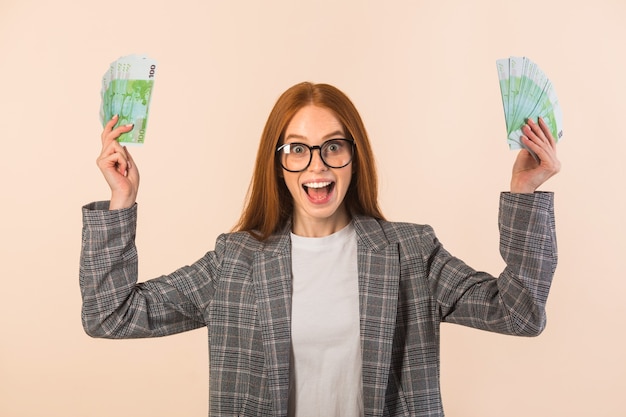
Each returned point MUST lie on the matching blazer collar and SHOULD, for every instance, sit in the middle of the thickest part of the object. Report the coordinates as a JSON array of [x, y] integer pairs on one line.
[[369, 233]]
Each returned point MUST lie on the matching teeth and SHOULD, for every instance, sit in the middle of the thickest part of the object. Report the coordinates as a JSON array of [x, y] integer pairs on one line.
[[317, 184]]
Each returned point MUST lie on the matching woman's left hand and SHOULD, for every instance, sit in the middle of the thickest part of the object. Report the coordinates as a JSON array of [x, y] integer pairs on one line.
[[528, 173]]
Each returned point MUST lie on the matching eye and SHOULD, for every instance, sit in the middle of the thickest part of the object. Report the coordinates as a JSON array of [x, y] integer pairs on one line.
[[334, 146], [298, 148]]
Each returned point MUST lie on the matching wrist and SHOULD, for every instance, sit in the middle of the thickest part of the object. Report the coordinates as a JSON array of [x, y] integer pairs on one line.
[[522, 189], [118, 203]]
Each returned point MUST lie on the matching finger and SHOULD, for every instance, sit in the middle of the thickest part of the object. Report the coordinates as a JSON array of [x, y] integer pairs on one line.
[[548, 141], [109, 133], [111, 123], [113, 163], [129, 159], [113, 155], [108, 127], [133, 172], [534, 129], [529, 149], [547, 132], [111, 147], [548, 160], [117, 132]]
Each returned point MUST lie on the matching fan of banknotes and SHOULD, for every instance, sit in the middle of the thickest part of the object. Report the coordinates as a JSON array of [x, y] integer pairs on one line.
[[126, 91], [527, 93]]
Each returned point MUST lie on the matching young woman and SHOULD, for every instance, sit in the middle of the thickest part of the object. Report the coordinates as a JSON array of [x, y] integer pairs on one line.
[[315, 305]]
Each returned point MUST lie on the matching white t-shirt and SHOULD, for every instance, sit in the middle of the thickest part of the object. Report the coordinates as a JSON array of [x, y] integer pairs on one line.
[[326, 345]]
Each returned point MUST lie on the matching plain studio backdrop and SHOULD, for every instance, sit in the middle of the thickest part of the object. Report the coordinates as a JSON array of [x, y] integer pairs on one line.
[[423, 75]]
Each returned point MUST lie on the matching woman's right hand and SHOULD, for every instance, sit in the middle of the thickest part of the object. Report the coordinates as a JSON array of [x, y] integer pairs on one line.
[[118, 167]]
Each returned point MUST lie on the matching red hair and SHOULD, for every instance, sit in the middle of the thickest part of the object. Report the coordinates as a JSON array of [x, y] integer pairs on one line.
[[269, 204]]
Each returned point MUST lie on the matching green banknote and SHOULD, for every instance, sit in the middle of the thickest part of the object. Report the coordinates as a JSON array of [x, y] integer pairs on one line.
[[527, 93], [126, 91]]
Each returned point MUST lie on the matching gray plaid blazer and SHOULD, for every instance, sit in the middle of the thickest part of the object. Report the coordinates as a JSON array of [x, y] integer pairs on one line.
[[408, 285]]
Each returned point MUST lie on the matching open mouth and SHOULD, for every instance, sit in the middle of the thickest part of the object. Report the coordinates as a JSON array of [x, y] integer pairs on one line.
[[319, 191]]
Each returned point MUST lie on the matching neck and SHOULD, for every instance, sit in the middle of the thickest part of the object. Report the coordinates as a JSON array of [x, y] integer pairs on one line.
[[319, 227]]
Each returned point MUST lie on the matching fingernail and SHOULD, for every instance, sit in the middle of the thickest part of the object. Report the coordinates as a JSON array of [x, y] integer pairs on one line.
[[115, 116]]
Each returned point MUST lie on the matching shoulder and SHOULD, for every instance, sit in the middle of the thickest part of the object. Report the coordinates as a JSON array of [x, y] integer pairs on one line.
[[377, 233], [238, 244]]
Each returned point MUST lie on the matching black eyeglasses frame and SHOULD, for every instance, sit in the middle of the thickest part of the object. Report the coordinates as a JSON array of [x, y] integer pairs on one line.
[[318, 147]]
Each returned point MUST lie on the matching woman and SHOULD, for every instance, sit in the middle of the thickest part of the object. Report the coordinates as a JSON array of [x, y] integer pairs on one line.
[[316, 305]]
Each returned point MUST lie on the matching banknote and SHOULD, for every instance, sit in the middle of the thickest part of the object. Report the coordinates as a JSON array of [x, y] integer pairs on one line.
[[127, 91], [527, 93]]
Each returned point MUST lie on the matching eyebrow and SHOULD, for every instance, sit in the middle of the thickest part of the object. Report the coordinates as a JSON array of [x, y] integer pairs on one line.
[[325, 137]]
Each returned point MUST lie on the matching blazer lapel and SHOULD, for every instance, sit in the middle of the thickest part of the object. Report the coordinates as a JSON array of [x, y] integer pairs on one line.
[[379, 274], [272, 282]]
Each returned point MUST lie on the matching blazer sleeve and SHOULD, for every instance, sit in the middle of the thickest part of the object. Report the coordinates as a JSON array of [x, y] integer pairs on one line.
[[514, 303], [114, 304]]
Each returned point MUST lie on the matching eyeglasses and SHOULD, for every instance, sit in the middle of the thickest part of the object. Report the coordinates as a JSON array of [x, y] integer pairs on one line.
[[335, 153]]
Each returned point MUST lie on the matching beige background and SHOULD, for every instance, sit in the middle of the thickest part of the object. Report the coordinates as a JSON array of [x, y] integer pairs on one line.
[[423, 75]]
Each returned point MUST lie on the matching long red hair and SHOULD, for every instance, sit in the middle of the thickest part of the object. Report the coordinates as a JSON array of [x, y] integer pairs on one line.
[[269, 204]]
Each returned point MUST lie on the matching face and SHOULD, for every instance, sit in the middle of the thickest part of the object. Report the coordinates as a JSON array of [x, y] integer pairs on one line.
[[318, 191]]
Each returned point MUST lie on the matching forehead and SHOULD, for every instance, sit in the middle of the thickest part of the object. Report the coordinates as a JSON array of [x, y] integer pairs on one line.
[[313, 122]]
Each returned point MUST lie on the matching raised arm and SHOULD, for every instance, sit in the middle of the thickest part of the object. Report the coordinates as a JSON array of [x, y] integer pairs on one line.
[[115, 305]]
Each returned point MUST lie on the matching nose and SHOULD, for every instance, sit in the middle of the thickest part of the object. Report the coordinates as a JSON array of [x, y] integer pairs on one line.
[[317, 164]]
